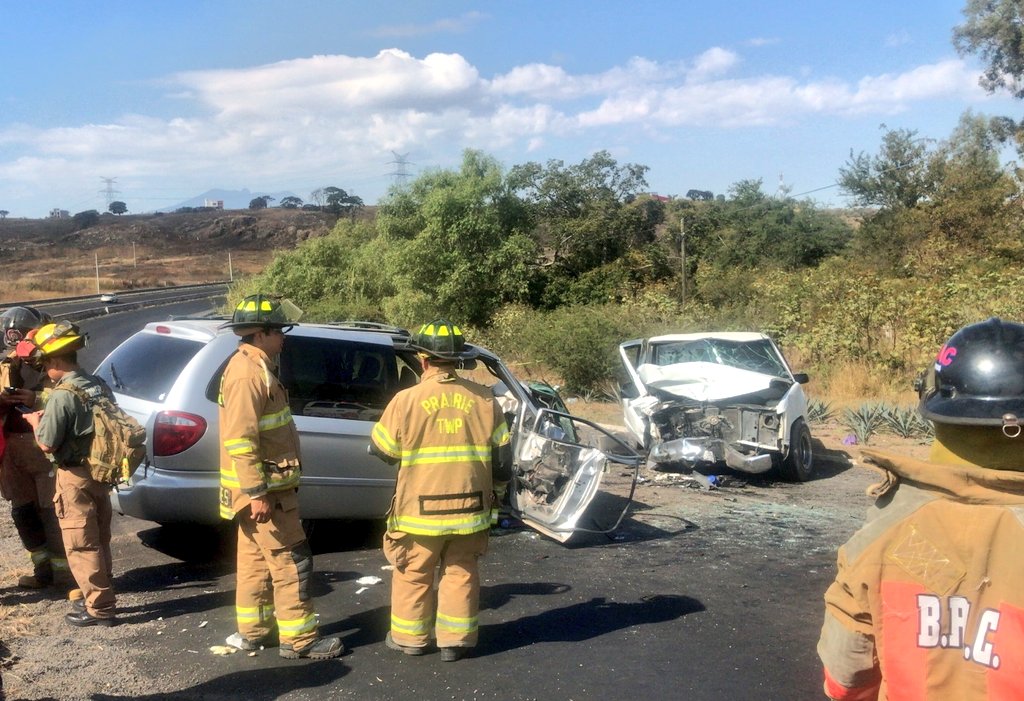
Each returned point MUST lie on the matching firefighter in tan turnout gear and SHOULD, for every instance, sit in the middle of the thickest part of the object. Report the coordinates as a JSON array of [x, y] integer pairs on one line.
[[64, 430], [259, 481], [28, 479], [450, 438], [928, 602]]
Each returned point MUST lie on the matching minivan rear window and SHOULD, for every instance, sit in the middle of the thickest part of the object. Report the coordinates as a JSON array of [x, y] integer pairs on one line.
[[147, 365]]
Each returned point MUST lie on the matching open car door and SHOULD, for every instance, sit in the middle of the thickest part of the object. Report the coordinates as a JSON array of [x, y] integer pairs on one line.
[[559, 458], [558, 469], [633, 393]]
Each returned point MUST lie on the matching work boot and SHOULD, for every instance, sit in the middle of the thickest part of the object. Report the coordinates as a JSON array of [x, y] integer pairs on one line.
[[82, 619], [42, 572], [453, 654], [34, 581], [240, 642], [319, 649], [404, 649], [77, 599]]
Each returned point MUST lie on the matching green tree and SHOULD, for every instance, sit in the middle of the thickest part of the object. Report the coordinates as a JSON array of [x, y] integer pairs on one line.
[[85, 219], [290, 202], [118, 207], [994, 29], [260, 202], [580, 217], [338, 201], [3, 213], [971, 187], [461, 240], [896, 177]]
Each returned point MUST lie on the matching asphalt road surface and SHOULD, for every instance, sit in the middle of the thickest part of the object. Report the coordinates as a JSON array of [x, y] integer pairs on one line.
[[703, 596]]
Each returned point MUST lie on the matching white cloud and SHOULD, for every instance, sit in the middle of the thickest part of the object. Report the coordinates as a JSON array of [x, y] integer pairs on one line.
[[714, 61], [333, 115]]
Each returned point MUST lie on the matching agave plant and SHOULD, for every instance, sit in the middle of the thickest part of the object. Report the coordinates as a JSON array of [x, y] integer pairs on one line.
[[819, 412], [864, 421], [906, 422]]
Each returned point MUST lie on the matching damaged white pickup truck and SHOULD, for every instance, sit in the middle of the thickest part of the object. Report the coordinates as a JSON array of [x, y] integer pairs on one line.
[[696, 401]]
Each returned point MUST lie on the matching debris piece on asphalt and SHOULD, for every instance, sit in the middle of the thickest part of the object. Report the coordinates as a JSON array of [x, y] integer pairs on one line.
[[203, 624], [369, 580], [222, 650], [360, 590], [253, 653], [387, 567]]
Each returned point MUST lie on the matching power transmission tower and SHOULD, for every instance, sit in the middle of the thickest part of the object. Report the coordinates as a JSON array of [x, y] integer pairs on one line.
[[400, 174], [782, 192], [109, 192]]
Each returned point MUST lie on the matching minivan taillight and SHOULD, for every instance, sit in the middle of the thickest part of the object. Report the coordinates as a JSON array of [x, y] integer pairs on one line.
[[176, 431]]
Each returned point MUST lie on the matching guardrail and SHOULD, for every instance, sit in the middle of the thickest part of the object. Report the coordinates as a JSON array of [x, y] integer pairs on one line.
[[78, 298], [199, 291]]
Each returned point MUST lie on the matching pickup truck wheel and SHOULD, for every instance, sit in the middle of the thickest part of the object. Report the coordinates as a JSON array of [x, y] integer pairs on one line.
[[798, 466]]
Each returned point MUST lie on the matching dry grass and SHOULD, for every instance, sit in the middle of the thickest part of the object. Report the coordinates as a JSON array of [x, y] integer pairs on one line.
[[15, 619], [37, 276], [852, 383]]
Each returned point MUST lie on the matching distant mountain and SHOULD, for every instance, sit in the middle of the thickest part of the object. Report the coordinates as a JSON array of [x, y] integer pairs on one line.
[[233, 199]]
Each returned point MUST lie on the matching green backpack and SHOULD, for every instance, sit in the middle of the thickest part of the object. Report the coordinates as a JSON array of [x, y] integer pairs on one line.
[[118, 442]]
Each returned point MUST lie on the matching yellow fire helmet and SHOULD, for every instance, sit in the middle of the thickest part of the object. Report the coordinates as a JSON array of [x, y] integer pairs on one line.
[[261, 311], [60, 338], [443, 340]]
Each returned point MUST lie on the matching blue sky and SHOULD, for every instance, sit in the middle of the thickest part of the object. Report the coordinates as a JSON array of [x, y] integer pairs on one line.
[[176, 98]]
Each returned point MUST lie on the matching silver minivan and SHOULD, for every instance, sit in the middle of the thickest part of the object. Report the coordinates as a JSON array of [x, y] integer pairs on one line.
[[339, 378]]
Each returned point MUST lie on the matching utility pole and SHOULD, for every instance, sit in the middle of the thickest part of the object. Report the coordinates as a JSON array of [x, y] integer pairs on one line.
[[135, 261], [231, 271], [97, 257], [682, 261]]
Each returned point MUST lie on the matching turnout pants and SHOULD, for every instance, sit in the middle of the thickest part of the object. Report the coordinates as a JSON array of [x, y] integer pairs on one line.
[[418, 560], [275, 565], [83, 511], [28, 481]]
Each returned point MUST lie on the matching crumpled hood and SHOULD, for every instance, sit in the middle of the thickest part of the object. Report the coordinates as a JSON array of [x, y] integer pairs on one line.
[[703, 382]]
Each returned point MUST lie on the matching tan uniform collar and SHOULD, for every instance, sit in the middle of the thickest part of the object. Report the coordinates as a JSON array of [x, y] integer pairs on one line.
[[251, 351], [966, 483]]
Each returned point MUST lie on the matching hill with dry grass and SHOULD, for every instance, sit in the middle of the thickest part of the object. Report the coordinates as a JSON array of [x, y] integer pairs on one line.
[[42, 258]]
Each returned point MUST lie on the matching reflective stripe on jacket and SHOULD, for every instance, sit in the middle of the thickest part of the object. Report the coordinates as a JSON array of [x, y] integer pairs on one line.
[[443, 431], [928, 602], [259, 442]]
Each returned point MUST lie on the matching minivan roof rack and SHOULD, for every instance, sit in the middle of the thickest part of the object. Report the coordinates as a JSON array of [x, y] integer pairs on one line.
[[370, 326]]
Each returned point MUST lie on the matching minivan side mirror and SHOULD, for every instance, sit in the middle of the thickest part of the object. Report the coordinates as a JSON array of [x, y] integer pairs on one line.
[[801, 377]]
